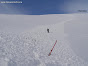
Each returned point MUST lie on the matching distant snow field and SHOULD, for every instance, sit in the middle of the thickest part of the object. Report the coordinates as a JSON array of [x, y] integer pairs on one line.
[[24, 40]]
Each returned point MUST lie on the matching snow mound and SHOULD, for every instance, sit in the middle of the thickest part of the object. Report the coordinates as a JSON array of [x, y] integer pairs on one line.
[[32, 48]]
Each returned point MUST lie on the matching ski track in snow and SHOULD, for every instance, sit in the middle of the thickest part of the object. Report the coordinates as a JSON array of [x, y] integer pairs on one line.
[[32, 48]]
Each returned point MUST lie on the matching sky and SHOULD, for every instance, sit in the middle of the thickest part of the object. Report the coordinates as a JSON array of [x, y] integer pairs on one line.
[[41, 7]]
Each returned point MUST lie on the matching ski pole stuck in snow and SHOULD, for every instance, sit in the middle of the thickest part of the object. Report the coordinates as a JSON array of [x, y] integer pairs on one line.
[[52, 49]]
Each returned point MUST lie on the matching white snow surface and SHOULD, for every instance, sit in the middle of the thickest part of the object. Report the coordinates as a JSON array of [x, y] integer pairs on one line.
[[31, 48]]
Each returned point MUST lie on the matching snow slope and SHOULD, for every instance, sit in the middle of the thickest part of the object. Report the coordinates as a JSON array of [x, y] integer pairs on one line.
[[31, 48], [20, 23], [77, 31]]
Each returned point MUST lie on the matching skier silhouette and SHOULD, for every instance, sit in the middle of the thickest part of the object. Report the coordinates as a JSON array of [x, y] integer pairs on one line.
[[47, 30]]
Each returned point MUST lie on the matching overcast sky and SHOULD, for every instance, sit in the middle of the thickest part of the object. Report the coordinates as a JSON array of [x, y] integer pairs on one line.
[[37, 7]]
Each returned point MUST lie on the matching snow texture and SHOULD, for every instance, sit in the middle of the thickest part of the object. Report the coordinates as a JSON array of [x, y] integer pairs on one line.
[[31, 48]]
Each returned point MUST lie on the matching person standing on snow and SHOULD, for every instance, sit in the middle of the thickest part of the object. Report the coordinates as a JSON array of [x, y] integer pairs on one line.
[[47, 30]]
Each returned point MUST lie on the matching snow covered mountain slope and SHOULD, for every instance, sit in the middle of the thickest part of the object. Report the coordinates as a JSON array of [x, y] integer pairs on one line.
[[20, 23], [77, 31], [31, 48]]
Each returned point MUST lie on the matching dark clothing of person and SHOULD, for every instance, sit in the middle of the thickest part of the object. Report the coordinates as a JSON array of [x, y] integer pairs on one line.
[[48, 30]]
